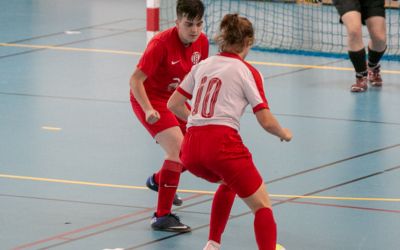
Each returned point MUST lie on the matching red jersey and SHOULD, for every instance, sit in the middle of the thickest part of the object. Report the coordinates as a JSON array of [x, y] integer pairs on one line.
[[166, 61]]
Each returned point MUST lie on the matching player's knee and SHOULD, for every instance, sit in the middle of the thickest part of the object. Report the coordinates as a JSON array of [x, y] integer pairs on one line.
[[379, 40], [355, 34], [173, 154], [259, 205], [258, 200]]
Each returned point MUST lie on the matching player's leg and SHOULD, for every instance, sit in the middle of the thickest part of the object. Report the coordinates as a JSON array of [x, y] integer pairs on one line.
[[377, 30], [352, 22], [170, 140], [152, 183], [357, 54], [376, 48], [167, 120], [220, 211], [264, 222], [154, 180], [238, 171]]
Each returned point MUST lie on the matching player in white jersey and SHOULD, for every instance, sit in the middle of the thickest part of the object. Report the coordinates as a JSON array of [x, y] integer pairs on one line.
[[222, 86]]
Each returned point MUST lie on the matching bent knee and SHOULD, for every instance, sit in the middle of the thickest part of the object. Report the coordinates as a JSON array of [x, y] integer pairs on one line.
[[378, 41], [355, 33], [259, 205], [258, 200]]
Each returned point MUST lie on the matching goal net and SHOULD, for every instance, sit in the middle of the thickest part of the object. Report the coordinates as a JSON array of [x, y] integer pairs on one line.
[[291, 26]]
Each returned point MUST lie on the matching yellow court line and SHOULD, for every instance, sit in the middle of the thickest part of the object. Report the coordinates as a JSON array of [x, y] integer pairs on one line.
[[191, 191], [51, 128], [69, 182], [122, 52]]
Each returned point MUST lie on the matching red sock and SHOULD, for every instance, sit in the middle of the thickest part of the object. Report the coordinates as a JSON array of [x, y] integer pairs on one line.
[[169, 180], [157, 175], [265, 229], [220, 211]]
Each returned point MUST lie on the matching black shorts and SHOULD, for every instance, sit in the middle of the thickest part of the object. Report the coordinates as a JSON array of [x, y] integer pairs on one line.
[[367, 8]]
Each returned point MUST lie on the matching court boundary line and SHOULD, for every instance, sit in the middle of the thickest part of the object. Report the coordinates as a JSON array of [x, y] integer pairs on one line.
[[274, 204], [332, 163], [70, 201], [160, 239], [64, 97], [75, 29], [98, 225], [335, 119], [190, 191], [249, 112], [62, 47], [344, 206]]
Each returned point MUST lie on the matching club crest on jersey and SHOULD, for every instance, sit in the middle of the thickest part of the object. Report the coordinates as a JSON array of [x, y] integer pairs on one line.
[[196, 57]]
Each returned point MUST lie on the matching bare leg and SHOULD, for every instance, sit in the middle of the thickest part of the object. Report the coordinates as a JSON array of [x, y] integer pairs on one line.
[[170, 140], [377, 31], [264, 223], [352, 22]]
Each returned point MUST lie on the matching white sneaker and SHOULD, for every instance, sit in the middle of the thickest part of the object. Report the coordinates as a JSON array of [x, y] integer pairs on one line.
[[212, 245], [279, 247]]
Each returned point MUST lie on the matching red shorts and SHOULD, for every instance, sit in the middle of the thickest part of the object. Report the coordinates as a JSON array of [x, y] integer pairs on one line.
[[167, 118], [217, 153]]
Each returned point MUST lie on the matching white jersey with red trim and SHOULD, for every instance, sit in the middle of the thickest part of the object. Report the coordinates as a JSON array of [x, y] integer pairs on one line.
[[222, 86]]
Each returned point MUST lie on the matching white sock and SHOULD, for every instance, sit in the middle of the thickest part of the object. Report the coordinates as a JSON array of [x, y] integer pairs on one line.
[[212, 245]]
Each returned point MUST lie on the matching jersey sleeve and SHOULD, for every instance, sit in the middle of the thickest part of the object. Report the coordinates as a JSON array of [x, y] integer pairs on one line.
[[187, 85], [152, 57], [254, 90]]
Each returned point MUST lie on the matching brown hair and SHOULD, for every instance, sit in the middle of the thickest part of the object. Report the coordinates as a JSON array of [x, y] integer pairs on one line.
[[235, 33]]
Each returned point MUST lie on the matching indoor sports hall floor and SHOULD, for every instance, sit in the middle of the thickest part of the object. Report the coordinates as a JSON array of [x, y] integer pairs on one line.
[[74, 160]]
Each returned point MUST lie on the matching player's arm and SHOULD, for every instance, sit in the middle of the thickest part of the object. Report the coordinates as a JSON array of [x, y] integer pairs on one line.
[[136, 82], [176, 104], [268, 121]]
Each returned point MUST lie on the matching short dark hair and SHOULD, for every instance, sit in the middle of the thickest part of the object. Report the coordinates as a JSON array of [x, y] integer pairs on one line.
[[190, 8]]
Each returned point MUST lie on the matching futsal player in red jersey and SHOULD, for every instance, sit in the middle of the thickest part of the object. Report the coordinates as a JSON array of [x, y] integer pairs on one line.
[[221, 87], [169, 56]]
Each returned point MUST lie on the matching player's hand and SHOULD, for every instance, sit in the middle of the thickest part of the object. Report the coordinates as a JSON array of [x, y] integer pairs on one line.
[[287, 135], [152, 116]]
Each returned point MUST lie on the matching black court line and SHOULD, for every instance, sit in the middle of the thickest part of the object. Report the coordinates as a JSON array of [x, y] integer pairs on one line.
[[343, 206], [248, 111], [74, 42], [76, 29], [338, 119], [72, 201], [67, 97], [303, 69], [245, 213], [83, 236], [69, 43], [96, 203], [275, 204], [332, 163]]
